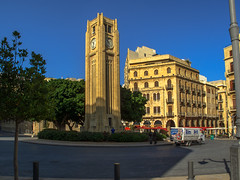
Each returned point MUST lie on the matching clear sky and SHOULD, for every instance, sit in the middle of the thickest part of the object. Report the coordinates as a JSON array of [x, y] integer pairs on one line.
[[188, 29]]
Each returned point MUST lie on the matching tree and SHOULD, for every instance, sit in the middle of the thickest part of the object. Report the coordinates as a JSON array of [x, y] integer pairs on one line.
[[69, 99], [132, 105], [23, 91]]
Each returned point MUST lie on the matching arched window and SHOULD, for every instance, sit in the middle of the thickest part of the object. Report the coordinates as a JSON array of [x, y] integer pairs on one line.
[[145, 73], [156, 72], [231, 67], [156, 84], [154, 97], [146, 84], [179, 71], [147, 96], [158, 96], [168, 70], [135, 73], [220, 97], [135, 86], [169, 83], [144, 95], [185, 73]]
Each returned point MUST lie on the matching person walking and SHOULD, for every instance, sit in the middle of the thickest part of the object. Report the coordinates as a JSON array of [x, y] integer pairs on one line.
[[150, 136], [155, 136]]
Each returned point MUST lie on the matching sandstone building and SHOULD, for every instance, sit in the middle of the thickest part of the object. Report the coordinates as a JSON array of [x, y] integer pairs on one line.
[[177, 96], [102, 88]]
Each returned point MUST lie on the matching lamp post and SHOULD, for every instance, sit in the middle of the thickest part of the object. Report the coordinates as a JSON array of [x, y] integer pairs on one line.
[[234, 33]]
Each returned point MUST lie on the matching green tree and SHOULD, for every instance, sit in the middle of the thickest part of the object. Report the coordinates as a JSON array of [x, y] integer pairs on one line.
[[68, 98], [132, 105], [23, 91]]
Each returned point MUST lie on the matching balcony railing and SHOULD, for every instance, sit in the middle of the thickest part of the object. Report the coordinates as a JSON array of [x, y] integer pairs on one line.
[[231, 90], [169, 87], [169, 101], [204, 93], [233, 108], [229, 72], [181, 89], [170, 114]]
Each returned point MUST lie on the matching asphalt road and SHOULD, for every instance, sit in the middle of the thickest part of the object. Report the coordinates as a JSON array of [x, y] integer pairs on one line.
[[98, 162]]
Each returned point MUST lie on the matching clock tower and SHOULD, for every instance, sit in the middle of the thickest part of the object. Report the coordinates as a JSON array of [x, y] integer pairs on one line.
[[102, 87]]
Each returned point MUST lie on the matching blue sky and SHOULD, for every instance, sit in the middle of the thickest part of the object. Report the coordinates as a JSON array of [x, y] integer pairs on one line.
[[188, 29]]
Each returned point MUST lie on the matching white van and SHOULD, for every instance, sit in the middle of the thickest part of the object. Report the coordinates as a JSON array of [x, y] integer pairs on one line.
[[187, 135]]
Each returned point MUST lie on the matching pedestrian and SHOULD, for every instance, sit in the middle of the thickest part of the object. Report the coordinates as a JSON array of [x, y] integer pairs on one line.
[[155, 136], [150, 136], [113, 130]]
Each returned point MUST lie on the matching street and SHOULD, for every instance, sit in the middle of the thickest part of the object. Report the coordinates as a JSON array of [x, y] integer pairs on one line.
[[98, 162]]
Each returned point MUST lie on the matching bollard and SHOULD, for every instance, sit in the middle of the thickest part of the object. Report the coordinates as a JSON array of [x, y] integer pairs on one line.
[[190, 170], [35, 170], [117, 171]]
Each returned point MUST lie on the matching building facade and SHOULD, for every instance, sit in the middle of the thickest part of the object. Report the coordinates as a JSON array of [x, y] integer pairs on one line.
[[102, 77], [230, 83], [176, 96]]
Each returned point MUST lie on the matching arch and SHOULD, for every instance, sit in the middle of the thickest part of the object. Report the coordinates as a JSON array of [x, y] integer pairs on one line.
[[146, 84], [169, 82], [157, 123], [168, 70], [135, 86], [155, 72], [158, 96], [170, 123], [135, 74], [156, 84], [147, 123], [145, 73]]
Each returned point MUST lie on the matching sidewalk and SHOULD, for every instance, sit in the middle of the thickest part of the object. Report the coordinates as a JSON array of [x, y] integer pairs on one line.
[[199, 177]]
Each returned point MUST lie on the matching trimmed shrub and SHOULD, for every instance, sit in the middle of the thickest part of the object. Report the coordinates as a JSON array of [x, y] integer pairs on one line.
[[54, 134]]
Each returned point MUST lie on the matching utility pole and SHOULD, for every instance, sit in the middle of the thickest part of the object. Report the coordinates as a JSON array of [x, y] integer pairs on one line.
[[234, 33]]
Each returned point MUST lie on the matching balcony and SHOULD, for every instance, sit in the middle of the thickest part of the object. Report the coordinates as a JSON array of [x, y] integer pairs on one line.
[[199, 104], [203, 93], [199, 93], [188, 90], [193, 91], [194, 103], [228, 73], [169, 101], [170, 114], [181, 89], [203, 104], [231, 90], [233, 108], [169, 87], [182, 102]]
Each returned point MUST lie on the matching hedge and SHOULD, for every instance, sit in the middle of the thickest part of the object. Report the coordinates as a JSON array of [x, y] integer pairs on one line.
[[53, 134]]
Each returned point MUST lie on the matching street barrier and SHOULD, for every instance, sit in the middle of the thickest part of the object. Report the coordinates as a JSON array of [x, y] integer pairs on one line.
[[35, 170], [190, 171], [117, 171]]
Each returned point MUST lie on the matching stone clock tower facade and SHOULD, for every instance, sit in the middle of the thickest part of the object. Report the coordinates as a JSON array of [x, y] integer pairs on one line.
[[102, 88]]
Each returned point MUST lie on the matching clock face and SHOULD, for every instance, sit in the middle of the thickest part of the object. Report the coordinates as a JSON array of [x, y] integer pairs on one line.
[[109, 43], [93, 43]]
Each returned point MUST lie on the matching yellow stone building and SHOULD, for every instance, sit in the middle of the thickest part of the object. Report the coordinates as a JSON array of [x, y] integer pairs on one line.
[[231, 96], [177, 95], [102, 77]]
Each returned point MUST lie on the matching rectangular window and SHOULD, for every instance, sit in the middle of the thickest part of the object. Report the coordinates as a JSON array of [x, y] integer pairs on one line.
[[148, 110], [109, 29], [158, 109], [231, 67], [105, 27], [155, 110], [93, 30], [230, 53]]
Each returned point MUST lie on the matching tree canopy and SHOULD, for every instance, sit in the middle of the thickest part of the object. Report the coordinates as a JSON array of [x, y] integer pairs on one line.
[[68, 98], [23, 91], [132, 105]]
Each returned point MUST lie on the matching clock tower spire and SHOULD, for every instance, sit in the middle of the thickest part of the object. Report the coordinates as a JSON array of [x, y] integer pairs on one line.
[[102, 87]]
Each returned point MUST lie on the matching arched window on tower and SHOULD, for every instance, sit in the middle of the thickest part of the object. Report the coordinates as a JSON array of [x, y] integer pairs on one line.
[[135, 74], [169, 83], [145, 73], [158, 96], [146, 84], [156, 72], [135, 86], [156, 84], [154, 97], [168, 70]]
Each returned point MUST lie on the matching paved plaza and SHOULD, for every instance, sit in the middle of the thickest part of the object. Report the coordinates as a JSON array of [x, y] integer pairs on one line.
[[138, 161]]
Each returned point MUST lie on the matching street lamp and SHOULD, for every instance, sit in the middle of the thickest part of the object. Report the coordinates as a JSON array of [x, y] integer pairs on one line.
[[234, 33]]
